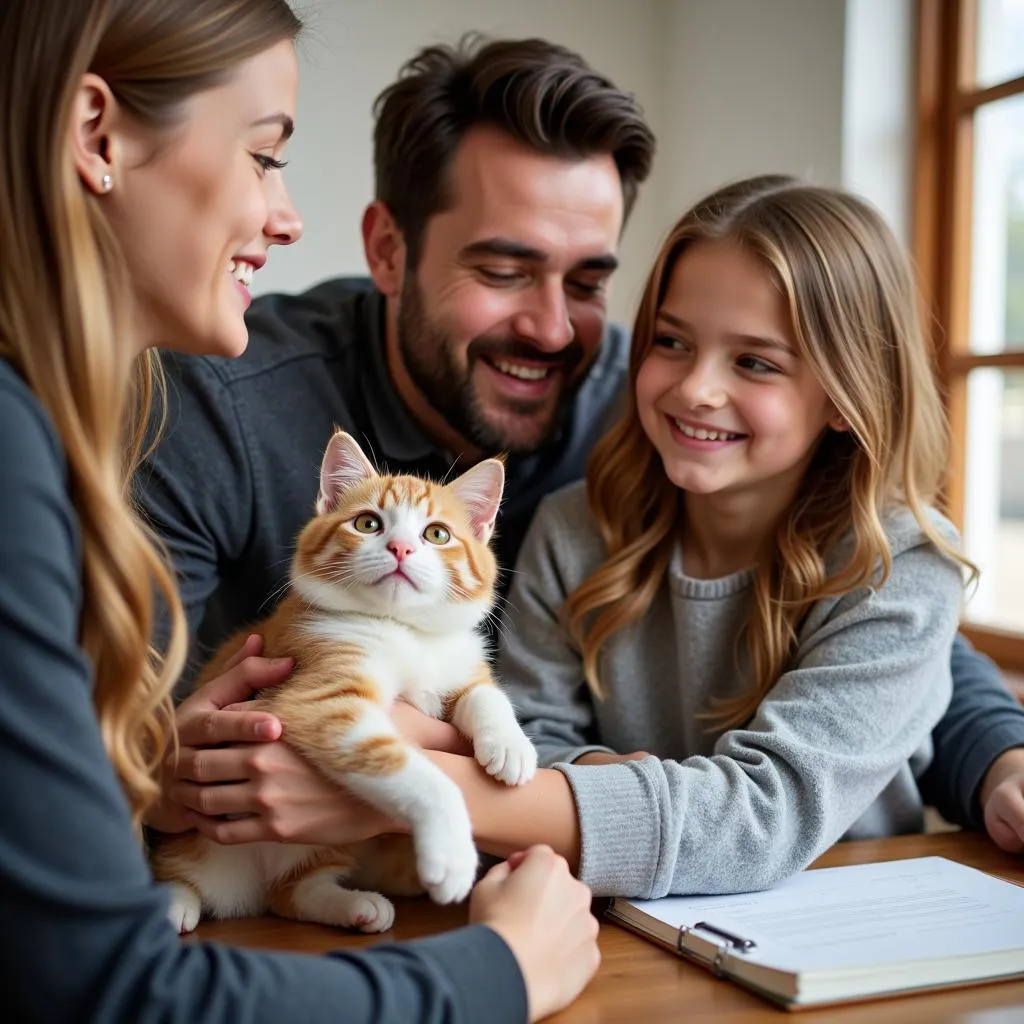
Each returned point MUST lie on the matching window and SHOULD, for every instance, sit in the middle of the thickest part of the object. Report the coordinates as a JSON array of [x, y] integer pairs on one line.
[[969, 246]]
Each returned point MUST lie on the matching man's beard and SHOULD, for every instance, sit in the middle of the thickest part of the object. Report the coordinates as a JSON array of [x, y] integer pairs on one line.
[[428, 354]]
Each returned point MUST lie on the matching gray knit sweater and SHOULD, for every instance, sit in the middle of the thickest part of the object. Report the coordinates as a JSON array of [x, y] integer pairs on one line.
[[832, 752]]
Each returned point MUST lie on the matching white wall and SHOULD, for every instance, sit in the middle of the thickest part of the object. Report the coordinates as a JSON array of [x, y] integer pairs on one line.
[[878, 107], [730, 87], [753, 86]]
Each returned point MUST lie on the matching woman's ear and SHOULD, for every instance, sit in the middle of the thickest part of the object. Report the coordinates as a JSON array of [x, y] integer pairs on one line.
[[92, 115], [837, 421]]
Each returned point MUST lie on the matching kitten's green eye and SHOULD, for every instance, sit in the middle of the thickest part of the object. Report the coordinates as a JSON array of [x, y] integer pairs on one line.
[[367, 522], [435, 533]]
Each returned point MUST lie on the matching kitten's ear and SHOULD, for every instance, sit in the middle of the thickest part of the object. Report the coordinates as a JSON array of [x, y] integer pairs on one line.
[[480, 489], [344, 465]]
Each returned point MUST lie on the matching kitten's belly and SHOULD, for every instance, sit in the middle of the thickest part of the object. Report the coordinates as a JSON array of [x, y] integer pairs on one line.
[[279, 860]]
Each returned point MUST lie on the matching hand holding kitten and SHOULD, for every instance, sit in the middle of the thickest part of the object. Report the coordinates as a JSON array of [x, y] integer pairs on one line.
[[202, 722]]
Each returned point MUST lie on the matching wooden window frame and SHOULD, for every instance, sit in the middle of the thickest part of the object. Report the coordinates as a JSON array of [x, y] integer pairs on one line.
[[947, 99]]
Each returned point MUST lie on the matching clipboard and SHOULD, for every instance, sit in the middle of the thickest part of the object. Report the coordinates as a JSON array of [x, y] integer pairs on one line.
[[841, 967]]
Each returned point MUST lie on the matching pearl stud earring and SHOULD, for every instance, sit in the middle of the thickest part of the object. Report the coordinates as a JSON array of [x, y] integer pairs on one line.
[[106, 183]]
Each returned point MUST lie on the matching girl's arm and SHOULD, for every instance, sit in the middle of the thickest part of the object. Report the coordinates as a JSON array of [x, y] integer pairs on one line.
[[870, 680], [510, 818]]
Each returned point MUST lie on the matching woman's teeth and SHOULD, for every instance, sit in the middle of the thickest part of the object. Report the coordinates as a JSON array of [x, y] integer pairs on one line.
[[700, 434], [522, 372], [242, 271]]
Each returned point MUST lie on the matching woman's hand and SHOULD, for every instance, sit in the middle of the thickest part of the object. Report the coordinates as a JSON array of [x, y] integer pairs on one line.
[[227, 769], [202, 724], [542, 912], [283, 799]]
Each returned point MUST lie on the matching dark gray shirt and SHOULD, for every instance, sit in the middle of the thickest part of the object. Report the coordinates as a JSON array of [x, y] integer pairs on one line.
[[236, 475], [83, 929]]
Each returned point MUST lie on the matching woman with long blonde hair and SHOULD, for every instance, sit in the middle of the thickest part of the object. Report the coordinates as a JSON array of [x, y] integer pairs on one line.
[[139, 191], [752, 597]]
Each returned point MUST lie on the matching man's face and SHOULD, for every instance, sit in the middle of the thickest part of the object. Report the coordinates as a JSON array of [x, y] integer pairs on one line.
[[500, 321]]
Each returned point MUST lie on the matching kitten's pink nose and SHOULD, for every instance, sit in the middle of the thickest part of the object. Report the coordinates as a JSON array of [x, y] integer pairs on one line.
[[400, 549]]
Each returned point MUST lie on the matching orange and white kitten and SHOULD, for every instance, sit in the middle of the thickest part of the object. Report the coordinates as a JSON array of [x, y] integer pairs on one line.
[[389, 584]]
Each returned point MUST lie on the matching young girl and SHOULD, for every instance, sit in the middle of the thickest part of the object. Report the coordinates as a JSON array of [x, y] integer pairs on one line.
[[138, 193], [751, 590]]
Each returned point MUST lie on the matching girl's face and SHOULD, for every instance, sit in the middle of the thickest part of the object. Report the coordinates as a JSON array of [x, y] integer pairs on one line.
[[198, 209], [723, 395]]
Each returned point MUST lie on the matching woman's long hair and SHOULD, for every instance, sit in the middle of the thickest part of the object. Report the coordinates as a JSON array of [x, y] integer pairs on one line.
[[66, 309], [850, 295]]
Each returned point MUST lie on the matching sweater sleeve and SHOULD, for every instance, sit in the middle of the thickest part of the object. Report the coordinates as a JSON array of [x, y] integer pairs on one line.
[[83, 928], [871, 679], [984, 720]]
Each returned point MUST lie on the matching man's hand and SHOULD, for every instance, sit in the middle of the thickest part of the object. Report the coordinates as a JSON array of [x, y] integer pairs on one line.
[[203, 724], [1002, 801]]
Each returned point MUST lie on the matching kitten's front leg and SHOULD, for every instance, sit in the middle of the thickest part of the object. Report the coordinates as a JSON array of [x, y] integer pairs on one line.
[[484, 714], [355, 742]]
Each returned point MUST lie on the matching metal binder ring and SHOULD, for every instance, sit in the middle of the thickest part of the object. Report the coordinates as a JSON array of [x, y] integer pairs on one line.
[[719, 960]]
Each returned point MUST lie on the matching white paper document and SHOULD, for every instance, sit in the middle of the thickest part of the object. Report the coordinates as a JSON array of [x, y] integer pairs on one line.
[[836, 918]]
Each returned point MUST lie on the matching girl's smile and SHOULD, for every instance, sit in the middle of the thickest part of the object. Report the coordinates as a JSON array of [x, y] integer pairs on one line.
[[702, 437]]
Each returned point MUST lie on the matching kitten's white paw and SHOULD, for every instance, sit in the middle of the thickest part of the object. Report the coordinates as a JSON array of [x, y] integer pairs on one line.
[[374, 913], [447, 865], [186, 908], [508, 756], [367, 911]]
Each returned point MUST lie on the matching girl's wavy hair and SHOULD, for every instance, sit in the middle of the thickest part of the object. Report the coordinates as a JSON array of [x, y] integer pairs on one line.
[[66, 311], [851, 298]]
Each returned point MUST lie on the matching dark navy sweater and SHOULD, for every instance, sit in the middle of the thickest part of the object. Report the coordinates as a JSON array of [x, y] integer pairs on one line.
[[83, 931]]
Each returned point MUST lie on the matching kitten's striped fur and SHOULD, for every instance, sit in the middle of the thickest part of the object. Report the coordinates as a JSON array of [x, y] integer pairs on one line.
[[390, 582]]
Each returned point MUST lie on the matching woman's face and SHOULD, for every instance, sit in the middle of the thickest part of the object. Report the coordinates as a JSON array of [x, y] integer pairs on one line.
[[198, 211]]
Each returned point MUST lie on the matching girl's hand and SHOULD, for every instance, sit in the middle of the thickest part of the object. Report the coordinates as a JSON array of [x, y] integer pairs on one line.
[[428, 733], [542, 912], [600, 757], [1002, 801], [202, 723]]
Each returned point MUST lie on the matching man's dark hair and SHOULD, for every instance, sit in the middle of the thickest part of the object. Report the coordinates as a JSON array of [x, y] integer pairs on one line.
[[541, 94]]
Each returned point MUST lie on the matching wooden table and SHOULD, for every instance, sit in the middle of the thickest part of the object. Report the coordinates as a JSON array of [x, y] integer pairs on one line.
[[639, 983]]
